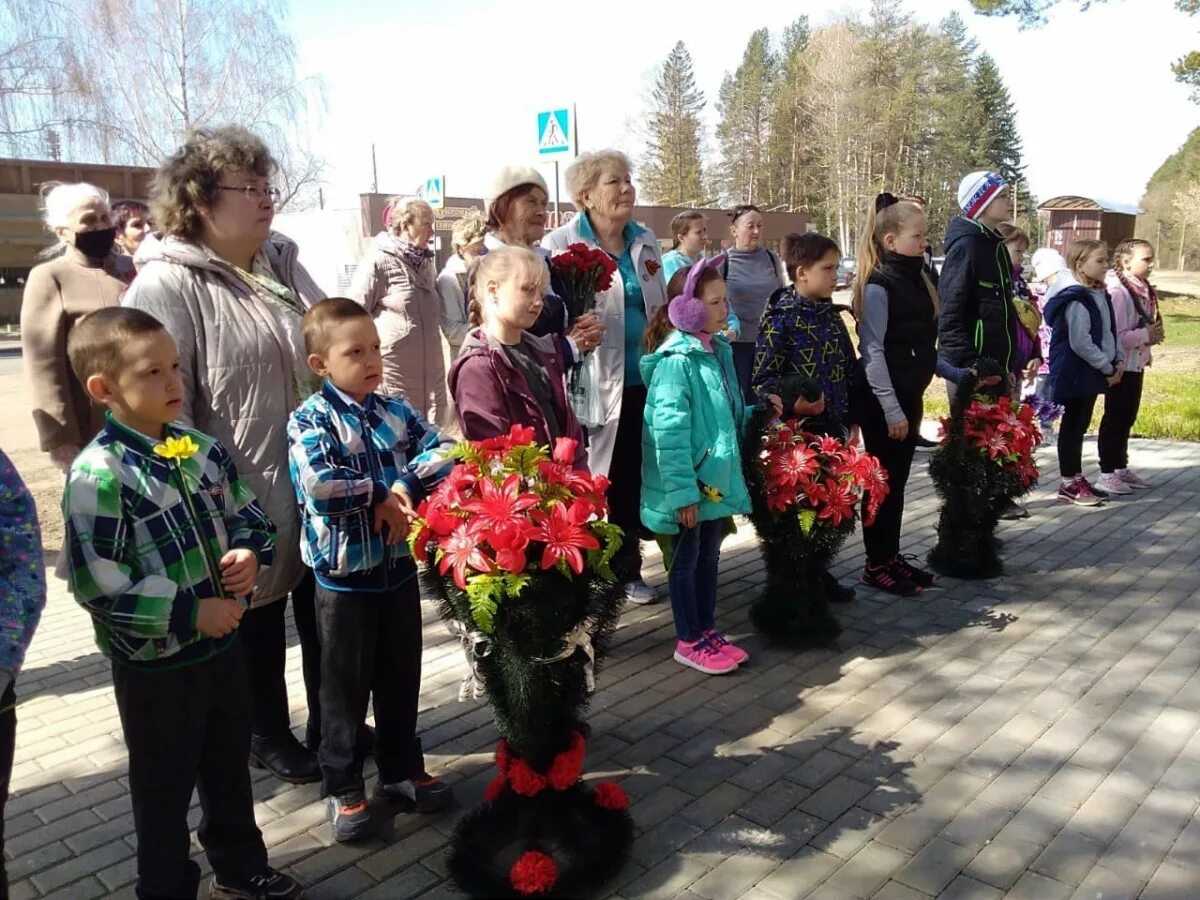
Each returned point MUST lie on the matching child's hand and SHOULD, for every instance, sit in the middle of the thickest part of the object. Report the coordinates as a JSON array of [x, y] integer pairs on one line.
[[1031, 368], [687, 515], [804, 407], [391, 513], [855, 434], [776, 404], [239, 569], [217, 616], [899, 431]]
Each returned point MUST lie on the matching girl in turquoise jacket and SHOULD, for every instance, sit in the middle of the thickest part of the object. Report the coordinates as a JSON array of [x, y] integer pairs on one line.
[[691, 458]]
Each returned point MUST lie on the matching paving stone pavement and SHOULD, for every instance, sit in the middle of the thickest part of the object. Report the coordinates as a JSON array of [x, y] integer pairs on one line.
[[1034, 736]]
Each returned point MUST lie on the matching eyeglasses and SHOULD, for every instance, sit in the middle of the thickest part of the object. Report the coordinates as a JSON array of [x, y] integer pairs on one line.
[[250, 192]]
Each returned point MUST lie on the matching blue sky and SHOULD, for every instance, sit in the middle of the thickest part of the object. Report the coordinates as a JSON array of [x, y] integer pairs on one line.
[[453, 87]]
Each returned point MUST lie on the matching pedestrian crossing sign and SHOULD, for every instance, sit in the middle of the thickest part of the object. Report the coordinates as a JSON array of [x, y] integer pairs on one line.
[[433, 192], [556, 129]]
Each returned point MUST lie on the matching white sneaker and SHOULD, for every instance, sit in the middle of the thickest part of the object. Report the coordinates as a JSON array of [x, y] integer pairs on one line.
[[1113, 484], [640, 593], [1129, 477]]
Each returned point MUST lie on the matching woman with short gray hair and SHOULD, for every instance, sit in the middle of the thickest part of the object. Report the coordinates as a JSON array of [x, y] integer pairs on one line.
[[79, 278], [396, 282], [602, 187]]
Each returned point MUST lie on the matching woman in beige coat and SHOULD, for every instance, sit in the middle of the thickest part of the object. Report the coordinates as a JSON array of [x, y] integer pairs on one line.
[[232, 293], [79, 279], [397, 284]]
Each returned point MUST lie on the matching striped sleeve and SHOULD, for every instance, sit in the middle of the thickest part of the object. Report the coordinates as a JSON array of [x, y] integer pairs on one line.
[[101, 575], [327, 488], [427, 463]]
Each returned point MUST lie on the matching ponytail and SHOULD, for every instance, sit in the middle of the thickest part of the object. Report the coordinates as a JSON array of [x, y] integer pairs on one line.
[[885, 216]]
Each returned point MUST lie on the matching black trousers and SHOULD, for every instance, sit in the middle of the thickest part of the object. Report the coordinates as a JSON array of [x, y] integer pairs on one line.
[[625, 492], [1077, 414], [263, 635], [189, 728], [8, 745], [882, 539], [1121, 404], [743, 365], [370, 650]]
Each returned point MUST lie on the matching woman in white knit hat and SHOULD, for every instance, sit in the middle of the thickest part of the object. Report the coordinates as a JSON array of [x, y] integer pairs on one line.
[[515, 207]]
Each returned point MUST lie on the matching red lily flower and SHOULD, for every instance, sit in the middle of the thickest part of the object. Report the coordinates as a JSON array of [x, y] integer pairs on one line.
[[839, 503], [462, 549], [498, 505], [564, 537]]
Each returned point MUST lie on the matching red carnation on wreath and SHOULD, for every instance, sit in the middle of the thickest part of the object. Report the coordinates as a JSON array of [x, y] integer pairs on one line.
[[523, 779], [568, 765], [533, 873], [610, 795]]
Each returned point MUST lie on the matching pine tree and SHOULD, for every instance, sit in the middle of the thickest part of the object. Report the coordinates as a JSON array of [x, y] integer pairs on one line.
[[999, 143], [791, 139], [744, 130], [671, 168]]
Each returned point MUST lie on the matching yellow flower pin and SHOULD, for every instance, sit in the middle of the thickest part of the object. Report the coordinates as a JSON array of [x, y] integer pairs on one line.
[[711, 493], [177, 448]]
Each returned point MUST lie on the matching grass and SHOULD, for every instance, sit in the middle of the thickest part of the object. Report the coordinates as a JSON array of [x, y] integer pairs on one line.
[[1171, 398]]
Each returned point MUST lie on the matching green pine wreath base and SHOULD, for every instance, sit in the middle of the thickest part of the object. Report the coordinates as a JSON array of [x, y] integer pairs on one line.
[[538, 707], [793, 609], [588, 844], [970, 489]]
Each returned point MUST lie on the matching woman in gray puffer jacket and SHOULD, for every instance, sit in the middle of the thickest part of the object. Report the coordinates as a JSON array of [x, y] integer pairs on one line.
[[232, 293]]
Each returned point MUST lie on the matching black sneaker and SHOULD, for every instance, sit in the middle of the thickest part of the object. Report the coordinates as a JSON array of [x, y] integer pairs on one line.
[[925, 444], [920, 577], [350, 817], [888, 577], [836, 592], [423, 795], [270, 885], [1010, 511]]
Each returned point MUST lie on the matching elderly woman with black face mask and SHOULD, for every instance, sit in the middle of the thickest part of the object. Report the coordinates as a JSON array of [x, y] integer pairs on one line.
[[79, 278]]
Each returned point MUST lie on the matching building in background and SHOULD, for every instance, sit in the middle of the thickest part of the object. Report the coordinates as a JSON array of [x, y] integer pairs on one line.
[[22, 236], [1070, 219]]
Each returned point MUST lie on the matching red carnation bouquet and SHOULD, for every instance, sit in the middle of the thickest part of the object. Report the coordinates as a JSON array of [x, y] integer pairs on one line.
[[1005, 433], [509, 510], [819, 479], [584, 272]]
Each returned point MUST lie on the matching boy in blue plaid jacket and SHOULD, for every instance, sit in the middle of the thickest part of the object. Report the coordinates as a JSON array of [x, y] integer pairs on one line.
[[360, 462], [164, 542]]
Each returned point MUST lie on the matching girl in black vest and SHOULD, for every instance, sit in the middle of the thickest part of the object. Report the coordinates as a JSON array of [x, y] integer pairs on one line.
[[896, 308]]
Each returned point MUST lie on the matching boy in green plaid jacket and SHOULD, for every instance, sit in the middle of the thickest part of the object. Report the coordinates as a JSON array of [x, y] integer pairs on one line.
[[164, 543]]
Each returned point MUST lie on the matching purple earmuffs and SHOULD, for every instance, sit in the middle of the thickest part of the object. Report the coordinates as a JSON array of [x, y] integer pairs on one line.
[[687, 312]]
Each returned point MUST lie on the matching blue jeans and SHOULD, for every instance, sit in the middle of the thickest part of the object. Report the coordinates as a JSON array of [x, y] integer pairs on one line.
[[693, 578]]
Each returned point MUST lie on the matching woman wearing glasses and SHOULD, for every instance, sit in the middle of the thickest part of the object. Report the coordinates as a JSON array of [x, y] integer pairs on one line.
[[397, 283], [231, 293]]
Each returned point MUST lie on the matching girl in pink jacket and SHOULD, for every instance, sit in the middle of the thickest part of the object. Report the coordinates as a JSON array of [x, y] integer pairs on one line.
[[1139, 326]]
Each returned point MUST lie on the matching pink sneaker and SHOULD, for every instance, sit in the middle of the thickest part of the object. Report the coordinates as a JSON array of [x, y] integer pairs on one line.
[[1131, 478], [734, 652], [702, 656]]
